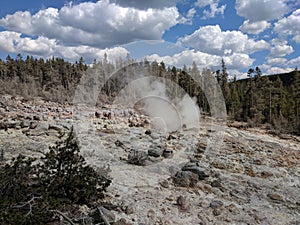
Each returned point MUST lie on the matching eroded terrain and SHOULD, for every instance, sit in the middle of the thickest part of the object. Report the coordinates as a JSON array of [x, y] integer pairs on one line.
[[192, 176]]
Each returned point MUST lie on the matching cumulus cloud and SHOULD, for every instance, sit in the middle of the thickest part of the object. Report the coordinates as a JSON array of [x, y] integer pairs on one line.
[[254, 27], [276, 61], [294, 62], [145, 4], [12, 42], [190, 14], [281, 50], [214, 8], [203, 3], [289, 26], [101, 24], [270, 69], [212, 40], [204, 60], [7, 40], [260, 10]]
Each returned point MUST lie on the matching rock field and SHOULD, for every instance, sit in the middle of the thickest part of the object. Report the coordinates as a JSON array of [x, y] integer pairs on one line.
[[193, 176]]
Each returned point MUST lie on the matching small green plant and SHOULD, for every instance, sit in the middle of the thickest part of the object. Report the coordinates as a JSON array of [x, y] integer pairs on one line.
[[30, 191]]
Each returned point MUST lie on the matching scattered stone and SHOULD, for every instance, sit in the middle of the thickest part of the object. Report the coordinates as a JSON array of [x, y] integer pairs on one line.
[[148, 132], [195, 168], [37, 117], [185, 179], [32, 125], [25, 123], [275, 197], [164, 184], [168, 153], [216, 183], [1, 154], [119, 143], [56, 128], [265, 174], [182, 204], [155, 152], [216, 204], [200, 147], [122, 221], [151, 214], [171, 137], [233, 209], [217, 212], [11, 124], [97, 114], [137, 157], [129, 210]]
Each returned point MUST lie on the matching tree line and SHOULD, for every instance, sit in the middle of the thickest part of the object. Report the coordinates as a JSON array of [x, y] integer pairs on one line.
[[272, 101]]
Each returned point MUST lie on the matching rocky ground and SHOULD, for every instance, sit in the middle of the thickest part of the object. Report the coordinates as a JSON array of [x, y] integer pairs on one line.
[[193, 176]]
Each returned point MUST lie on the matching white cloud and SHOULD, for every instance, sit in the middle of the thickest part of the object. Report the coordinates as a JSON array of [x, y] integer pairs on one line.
[[274, 69], [40, 46], [12, 42], [7, 40], [254, 27], [276, 61], [289, 26], [188, 19], [260, 10], [101, 24], [212, 40], [214, 8], [190, 14], [204, 3], [145, 4], [294, 62], [204, 60], [281, 50], [90, 53]]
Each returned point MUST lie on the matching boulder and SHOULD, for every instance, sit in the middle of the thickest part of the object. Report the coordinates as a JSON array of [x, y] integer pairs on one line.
[[155, 151], [185, 179], [196, 169], [137, 157]]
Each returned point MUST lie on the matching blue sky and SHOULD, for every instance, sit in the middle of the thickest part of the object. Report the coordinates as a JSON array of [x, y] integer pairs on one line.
[[245, 33]]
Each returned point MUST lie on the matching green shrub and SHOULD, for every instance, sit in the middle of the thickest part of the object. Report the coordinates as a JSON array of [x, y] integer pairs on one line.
[[30, 190]]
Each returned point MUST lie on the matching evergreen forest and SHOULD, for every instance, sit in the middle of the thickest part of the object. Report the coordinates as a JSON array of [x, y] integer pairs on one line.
[[271, 101]]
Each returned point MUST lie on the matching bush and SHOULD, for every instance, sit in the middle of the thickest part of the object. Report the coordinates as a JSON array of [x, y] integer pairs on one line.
[[30, 190]]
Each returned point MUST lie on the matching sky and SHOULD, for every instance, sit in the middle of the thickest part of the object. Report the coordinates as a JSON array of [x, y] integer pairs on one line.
[[245, 33]]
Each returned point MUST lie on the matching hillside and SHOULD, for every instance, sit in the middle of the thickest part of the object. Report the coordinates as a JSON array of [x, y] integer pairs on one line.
[[203, 175], [268, 101]]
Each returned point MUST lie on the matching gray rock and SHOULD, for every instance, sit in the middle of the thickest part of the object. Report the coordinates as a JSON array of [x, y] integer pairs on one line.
[[168, 153], [129, 210], [185, 179], [155, 152], [37, 117], [33, 125], [25, 123], [137, 157], [216, 204], [56, 128], [216, 183], [275, 197], [11, 124], [194, 168], [217, 212]]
